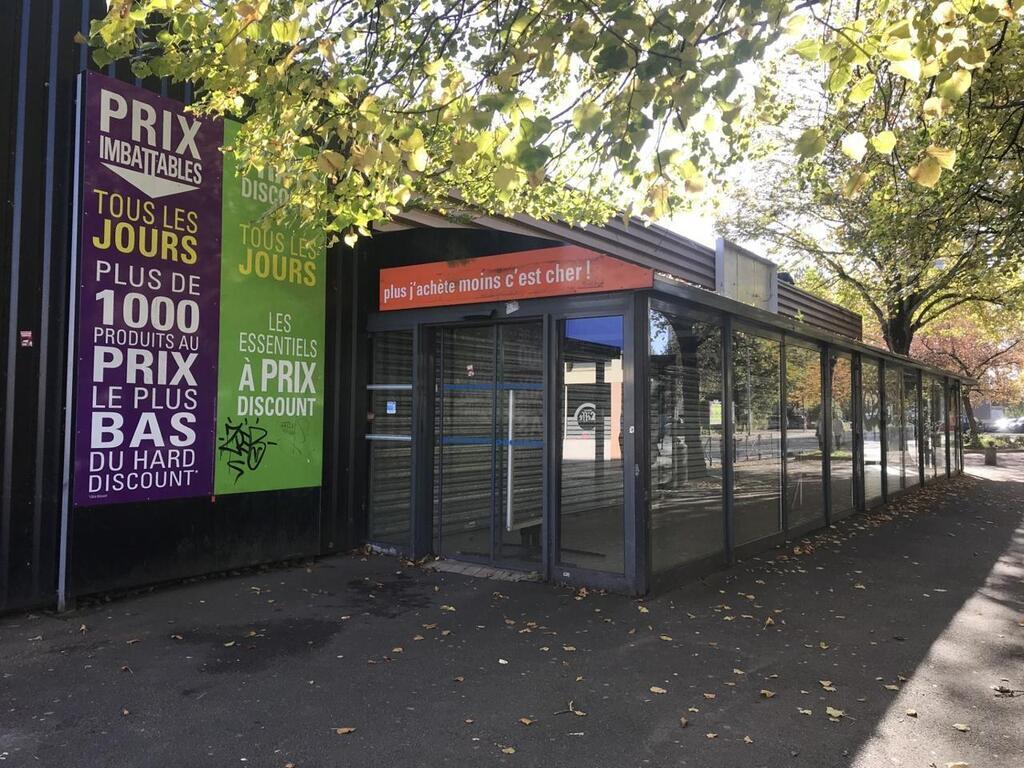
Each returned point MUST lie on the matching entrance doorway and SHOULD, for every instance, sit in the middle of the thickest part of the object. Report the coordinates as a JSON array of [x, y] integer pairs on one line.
[[489, 443]]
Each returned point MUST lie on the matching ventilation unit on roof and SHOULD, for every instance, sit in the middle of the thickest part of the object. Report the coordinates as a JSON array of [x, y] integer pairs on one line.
[[745, 276]]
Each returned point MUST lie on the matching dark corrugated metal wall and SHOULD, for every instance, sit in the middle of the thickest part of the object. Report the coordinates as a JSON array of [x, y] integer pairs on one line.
[[129, 545], [36, 174]]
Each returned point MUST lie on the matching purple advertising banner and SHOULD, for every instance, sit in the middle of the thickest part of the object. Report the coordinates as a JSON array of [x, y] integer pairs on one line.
[[148, 302]]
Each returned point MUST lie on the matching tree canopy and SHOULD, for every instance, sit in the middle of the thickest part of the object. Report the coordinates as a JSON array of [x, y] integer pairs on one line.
[[910, 198], [558, 109], [987, 349]]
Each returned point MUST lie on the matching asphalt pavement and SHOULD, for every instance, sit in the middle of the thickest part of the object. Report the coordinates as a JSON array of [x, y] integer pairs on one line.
[[895, 639]]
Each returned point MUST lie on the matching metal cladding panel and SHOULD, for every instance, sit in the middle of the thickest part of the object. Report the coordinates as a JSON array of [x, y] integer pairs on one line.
[[121, 546], [800, 305], [648, 246]]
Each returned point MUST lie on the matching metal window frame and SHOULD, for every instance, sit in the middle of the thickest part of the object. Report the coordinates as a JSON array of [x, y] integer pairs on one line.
[[857, 393], [883, 426]]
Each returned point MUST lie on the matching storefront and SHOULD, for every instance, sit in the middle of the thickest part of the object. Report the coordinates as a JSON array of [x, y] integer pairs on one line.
[[582, 436], [188, 393]]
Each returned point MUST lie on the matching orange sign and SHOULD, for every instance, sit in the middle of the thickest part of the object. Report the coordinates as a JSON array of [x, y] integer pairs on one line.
[[558, 271]]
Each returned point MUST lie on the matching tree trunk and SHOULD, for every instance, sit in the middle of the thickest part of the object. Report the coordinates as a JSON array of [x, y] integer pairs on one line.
[[971, 421], [898, 334]]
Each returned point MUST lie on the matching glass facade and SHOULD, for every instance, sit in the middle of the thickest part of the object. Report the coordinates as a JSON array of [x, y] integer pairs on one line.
[[894, 434], [911, 425], [934, 428], [757, 440], [805, 437], [685, 439], [956, 433], [871, 429], [591, 530], [841, 456], [512, 458]]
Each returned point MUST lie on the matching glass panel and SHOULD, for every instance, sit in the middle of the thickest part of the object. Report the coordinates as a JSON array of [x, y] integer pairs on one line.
[[872, 433], [389, 438], [685, 440], [805, 436], [930, 427], [894, 428], [465, 441], [957, 417], [757, 444], [592, 480], [841, 458], [911, 470], [939, 417], [520, 441]]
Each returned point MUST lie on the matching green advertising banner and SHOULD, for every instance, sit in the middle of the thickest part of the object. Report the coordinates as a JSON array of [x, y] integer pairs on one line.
[[272, 310]]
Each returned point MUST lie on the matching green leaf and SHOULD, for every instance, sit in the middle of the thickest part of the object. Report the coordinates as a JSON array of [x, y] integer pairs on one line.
[[330, 162], [838, 79], [898, 50], [854, 146], [810, 143], [612, 58], [412, 141], [235, 54], [908, 68], [531, 158], [954, 86], [587, 117], [463, 151], [943, 156], [285, 31], [418, 159], [862, 89], [927, 172], [944, 13], [935, 107], [808, 49], [883, 143], [504, 178], [855, 184]]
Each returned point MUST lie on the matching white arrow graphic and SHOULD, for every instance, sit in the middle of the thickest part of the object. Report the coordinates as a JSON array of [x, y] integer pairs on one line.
[[153, 186]]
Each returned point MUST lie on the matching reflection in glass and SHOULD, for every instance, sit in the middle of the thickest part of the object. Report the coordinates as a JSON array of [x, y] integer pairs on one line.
[[841, 457], [490, 442], [389, 438], [957, 433], [757, 444], [937, 426], [464, 434], [805, 436], [911, 469], [520, 441], [685, 439], [894, 428], [592, 481], [872, 427]]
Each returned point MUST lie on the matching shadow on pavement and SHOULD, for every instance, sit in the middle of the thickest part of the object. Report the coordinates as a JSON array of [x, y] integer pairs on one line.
[[439, 669]]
